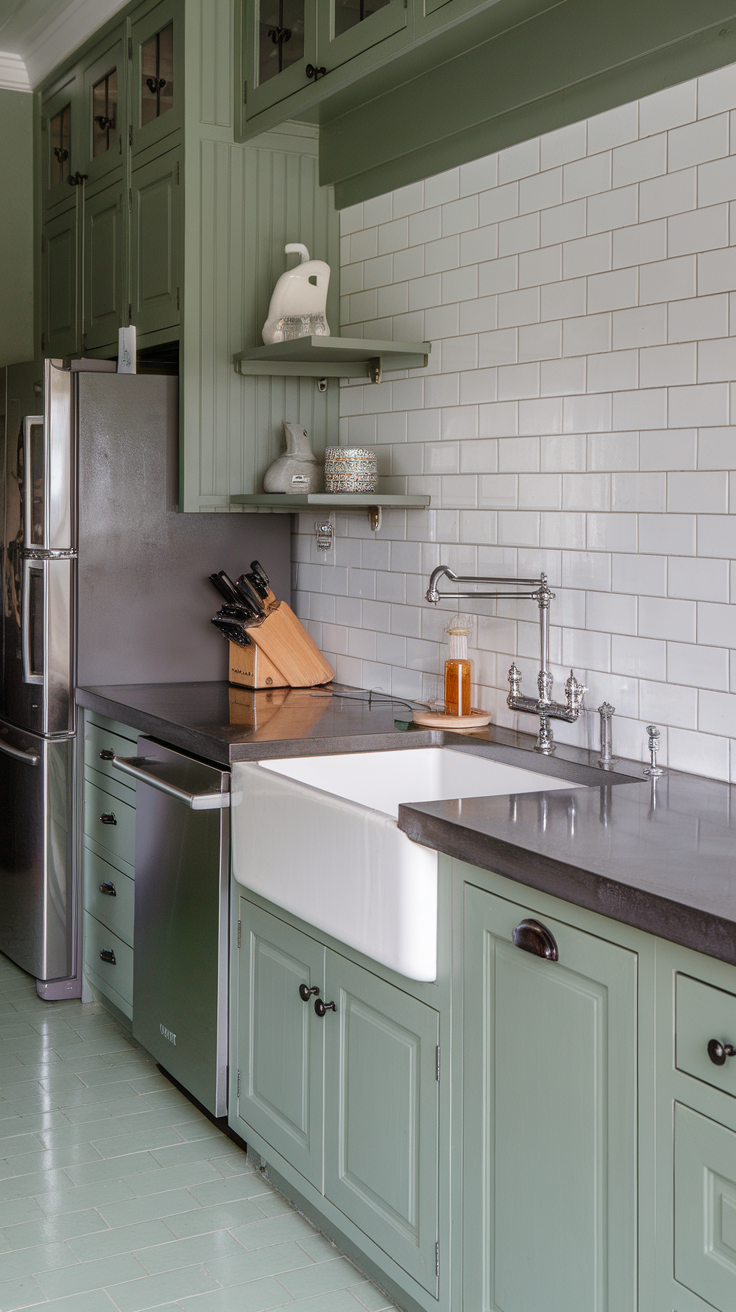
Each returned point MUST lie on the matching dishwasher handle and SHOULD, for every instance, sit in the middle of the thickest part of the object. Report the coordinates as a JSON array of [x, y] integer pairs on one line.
[[133, 766]]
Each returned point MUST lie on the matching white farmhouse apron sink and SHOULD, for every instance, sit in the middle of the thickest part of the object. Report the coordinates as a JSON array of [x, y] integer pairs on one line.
[[318, 836]]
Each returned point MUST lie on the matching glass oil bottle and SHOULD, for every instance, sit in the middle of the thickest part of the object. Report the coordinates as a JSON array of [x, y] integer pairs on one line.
[[458, 669]]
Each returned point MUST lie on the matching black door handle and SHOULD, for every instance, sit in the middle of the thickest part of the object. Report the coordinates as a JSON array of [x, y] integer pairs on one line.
[[108, 888], [107, 954], [107, 754], [532, 936], [720, 1052], [108, 818], [322, 1008]]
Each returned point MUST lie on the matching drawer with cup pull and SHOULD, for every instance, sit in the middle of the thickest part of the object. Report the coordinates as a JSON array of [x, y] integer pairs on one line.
[[110, 821], [109, 895], [100, 745], [109, 961], [705, 1033]]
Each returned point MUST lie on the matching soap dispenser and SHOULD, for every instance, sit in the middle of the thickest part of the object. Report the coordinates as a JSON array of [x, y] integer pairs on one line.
[[299, 301], [458, 669]]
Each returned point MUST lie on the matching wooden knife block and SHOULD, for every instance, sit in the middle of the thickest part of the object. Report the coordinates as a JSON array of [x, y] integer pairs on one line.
[[280, 654]]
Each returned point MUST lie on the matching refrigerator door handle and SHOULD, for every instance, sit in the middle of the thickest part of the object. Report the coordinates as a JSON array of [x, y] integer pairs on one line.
[[30, 474], [131, 765], [30, 758], [29, 565]]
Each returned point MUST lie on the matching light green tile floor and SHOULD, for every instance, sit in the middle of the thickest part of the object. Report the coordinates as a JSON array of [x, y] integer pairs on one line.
[[116, 1192]]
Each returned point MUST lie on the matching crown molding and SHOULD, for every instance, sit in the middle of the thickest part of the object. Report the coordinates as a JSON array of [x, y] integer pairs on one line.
[[13, 73], [58, 38]]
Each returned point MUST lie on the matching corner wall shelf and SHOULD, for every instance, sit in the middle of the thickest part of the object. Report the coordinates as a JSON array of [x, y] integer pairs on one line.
[[332, 357]]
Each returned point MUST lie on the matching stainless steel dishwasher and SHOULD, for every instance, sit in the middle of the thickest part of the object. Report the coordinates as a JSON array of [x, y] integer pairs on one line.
[[180, 979]]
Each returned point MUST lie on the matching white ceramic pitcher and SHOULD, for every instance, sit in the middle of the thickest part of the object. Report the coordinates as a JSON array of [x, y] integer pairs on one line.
[[299, 294]]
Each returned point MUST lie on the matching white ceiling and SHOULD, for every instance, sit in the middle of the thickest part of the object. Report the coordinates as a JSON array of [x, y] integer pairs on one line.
[[43, 32]]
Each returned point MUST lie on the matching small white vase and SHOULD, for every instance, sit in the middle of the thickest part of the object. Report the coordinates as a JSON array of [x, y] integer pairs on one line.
[[297, 470]]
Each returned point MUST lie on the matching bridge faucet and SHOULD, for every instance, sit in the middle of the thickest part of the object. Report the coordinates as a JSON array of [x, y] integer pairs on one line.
[[544, 706]]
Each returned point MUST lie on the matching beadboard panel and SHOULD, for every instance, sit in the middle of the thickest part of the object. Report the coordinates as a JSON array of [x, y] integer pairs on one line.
[[250, 201], [215, 40]]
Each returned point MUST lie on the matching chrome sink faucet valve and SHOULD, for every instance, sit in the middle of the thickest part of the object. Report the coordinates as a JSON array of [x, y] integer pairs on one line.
[[606, 758], [653, 769]]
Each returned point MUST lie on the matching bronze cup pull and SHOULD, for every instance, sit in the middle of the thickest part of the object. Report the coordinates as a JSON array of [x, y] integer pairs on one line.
[[532, 936]]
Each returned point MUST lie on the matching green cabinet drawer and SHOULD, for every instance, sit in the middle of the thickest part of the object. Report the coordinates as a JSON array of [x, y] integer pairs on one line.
[[116, 831], [109, 896], [98, 743], [705, 1208], [115, 978], [702, 1013]]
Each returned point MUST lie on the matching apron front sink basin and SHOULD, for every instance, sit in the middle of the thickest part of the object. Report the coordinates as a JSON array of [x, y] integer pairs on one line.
[[318, 836]]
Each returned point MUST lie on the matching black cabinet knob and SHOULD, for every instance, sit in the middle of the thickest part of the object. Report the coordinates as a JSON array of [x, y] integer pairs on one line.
[[314, 73], [305, 992], [720, 1052], [108, 818], [532, 936], [108, 888], [107, 754], [322, 1008], [107, 954]]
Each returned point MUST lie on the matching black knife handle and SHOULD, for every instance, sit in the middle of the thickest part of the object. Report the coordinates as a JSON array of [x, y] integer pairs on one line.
[[248, 593], [260, 573], [221, 586]]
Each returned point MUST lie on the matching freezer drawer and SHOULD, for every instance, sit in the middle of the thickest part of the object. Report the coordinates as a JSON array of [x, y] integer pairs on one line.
[[37, 921], [181, 918]]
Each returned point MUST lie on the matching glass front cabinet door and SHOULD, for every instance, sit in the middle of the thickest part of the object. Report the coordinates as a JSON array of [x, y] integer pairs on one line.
[[280, 46], [105, 111], [157, 63], [59, 141], [346, 28]]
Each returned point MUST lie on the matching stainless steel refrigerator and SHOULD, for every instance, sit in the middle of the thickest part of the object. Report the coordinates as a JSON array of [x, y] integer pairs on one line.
[[103, 583]]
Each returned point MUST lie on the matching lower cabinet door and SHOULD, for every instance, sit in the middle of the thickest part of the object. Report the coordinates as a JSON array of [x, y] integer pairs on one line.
[[705, 1208], [280, 1039], [381, 1114], [59, 284], [155, 243], [550, 1151], [104, 249]]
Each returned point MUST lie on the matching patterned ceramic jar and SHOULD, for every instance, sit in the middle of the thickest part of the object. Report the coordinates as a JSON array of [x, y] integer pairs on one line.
[[350, 469]]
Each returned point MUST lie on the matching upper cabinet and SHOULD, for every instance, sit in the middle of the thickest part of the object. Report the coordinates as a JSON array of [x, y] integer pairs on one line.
[[59, 119], [289, 46], [157, 74], [104, 109]]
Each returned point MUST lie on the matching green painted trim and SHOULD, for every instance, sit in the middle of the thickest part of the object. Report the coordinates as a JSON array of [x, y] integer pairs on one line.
[[435, 122], [16, 224]]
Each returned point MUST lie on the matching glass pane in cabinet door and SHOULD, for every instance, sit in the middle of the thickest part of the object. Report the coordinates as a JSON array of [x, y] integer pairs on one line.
[[104, 112], [348, 13], [157, 74], [280, 36], [60, 141]]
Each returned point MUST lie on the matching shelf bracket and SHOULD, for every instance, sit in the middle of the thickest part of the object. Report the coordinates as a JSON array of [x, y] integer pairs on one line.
[[374, 369], [375, 517], [321, 384]]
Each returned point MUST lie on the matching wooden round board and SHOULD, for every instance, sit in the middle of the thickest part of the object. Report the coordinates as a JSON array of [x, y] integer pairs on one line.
[[438, 720]]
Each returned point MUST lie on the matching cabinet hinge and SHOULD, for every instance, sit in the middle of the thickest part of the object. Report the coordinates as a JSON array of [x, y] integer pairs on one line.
[[437, 1259], [438, 1061], [238, 1093], [43, 341], [130, 198], [130, 311], [130, 134], [178, 307], [245, 93], [177, 173], [130, 47], [240, 927]]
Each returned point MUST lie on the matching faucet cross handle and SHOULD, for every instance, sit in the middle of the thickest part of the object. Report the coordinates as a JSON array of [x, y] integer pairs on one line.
[[575, 693]]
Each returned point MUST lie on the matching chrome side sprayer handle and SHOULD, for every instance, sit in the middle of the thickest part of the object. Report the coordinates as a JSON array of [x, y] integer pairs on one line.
[[653, 769]]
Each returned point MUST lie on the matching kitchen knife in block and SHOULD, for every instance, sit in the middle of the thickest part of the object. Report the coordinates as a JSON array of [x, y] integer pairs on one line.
[[251, 668], [289, 647]]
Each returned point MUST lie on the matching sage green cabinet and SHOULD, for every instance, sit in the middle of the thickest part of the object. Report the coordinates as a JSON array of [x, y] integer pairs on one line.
[[349, 1098], [157, 73], [279, 1046], [60, 153], [550, 1118], [346, 28], [105, 307], [60, 282], [104, 108], [155, 243]]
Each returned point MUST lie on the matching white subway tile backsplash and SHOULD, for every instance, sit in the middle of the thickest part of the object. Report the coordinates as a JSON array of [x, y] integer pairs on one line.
[[574, 418]]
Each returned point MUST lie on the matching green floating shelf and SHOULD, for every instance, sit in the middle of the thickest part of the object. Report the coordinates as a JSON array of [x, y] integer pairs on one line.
[[327, 500], [332, 357]]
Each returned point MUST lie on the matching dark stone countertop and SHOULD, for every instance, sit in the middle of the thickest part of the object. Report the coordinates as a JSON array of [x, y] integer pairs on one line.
[[659, 855]]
